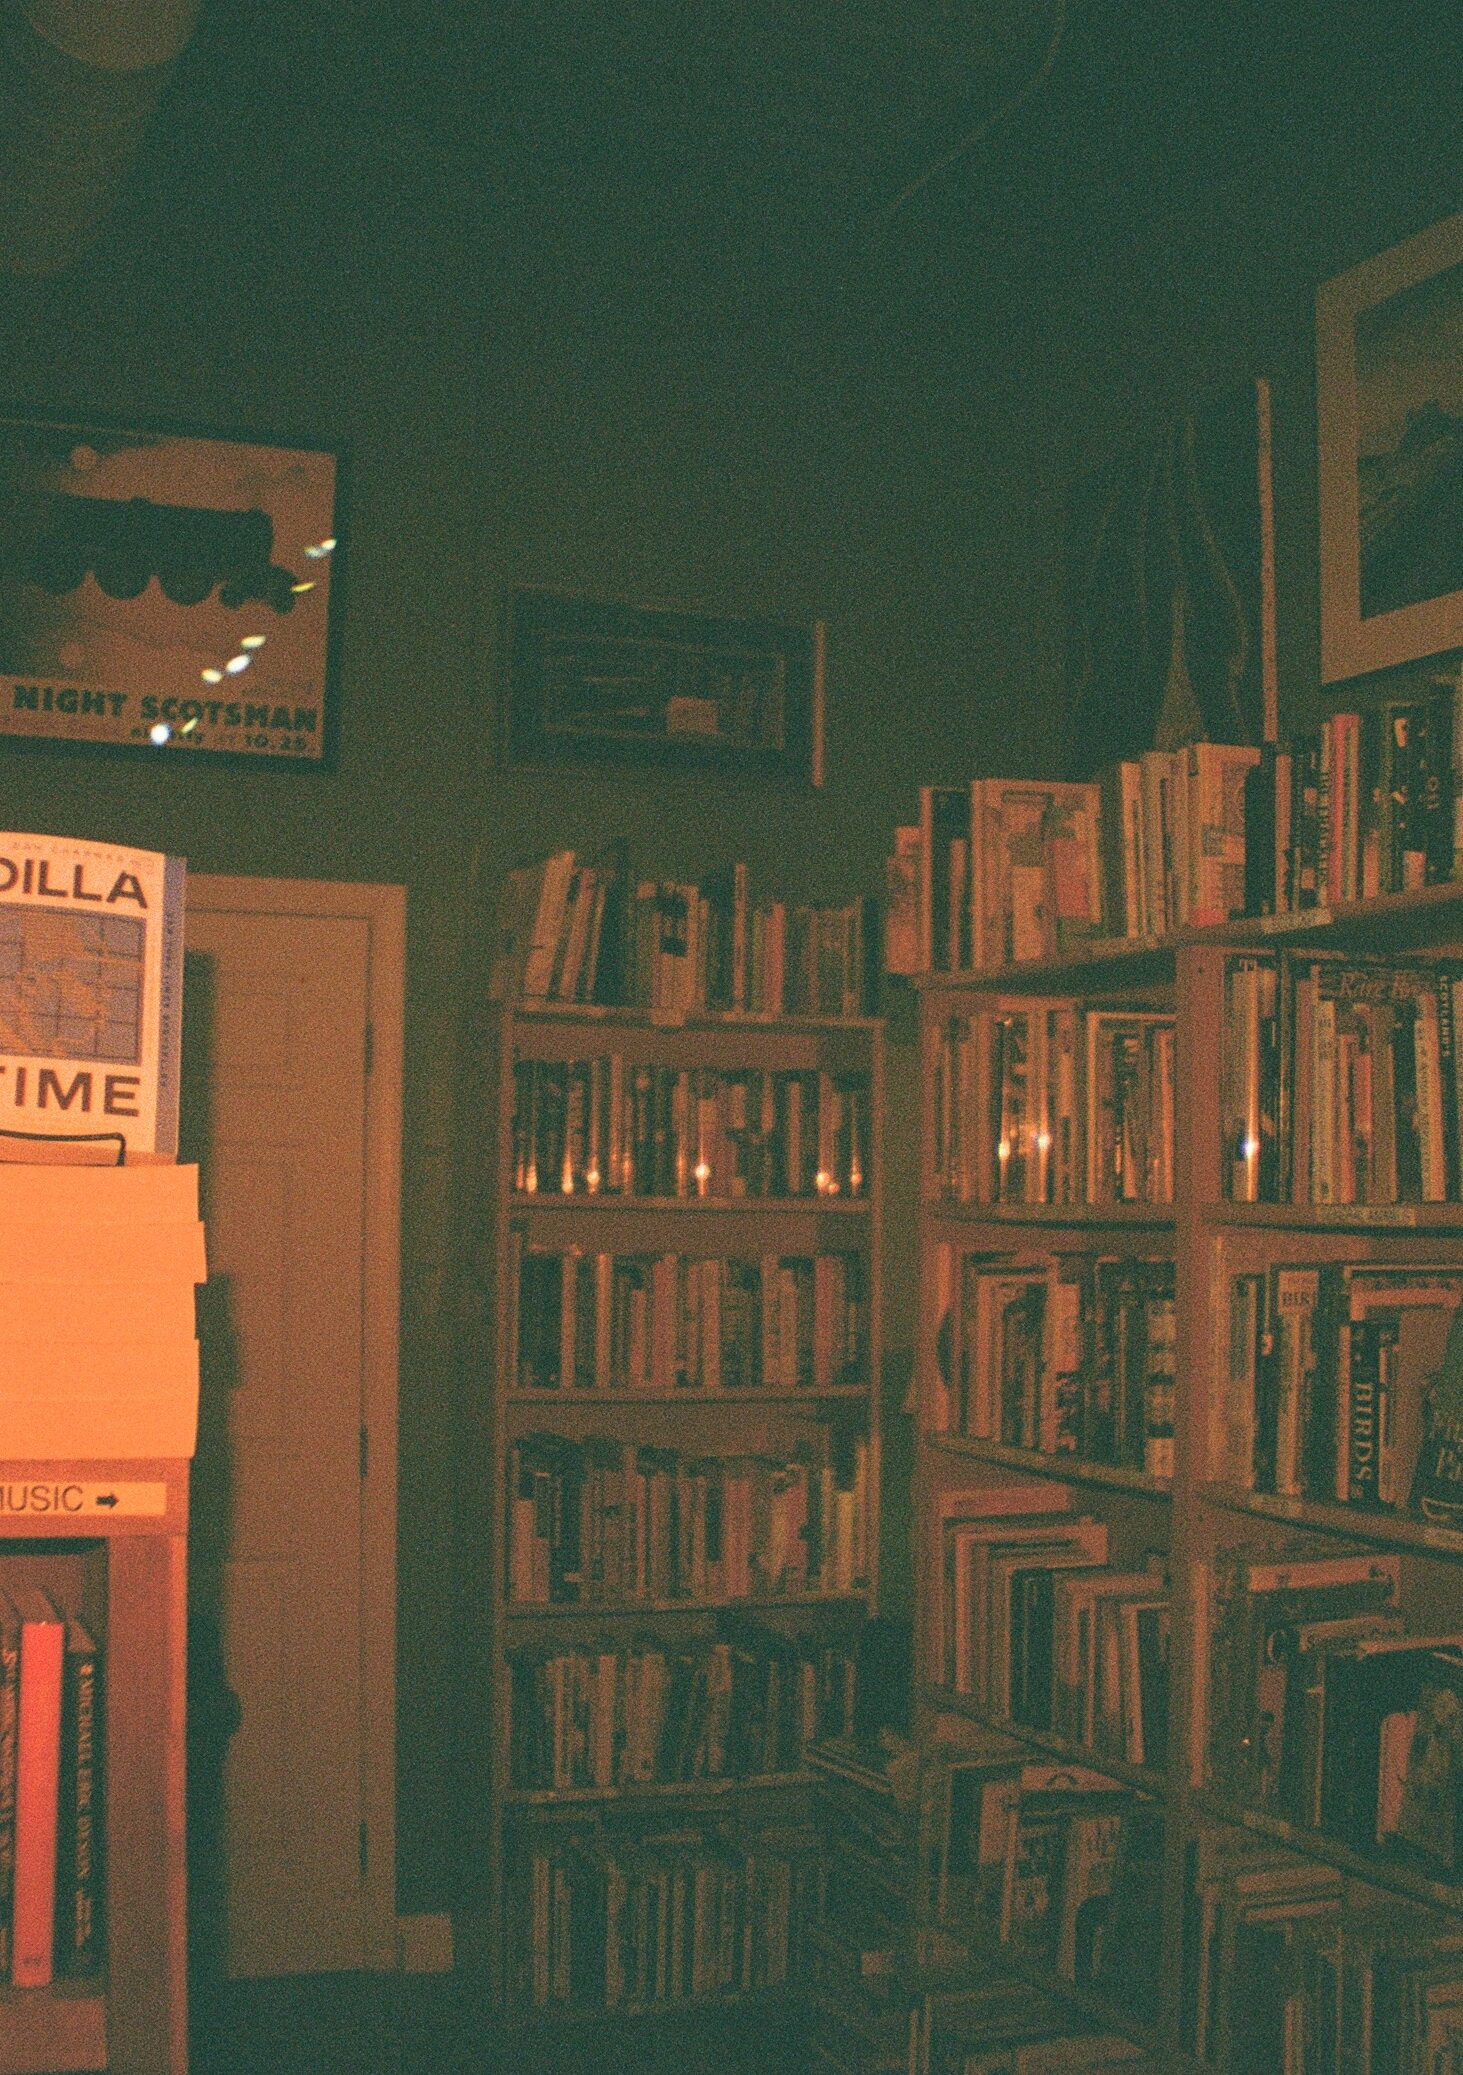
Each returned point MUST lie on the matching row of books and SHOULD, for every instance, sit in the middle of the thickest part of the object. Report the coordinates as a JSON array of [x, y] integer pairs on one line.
[[1324, 1709], [584, 1321], [1341, 1080], [624, 1127], [1043, 1632], [1059, 1863], [695, 1914], [1068, 1354], [1345, 1384], [1366, 804], [932, 1856], [1041, 1100], [51, 1912], [595, 1521], [1283, 1974], [746, 1704], [1006, 870], [575, 932]]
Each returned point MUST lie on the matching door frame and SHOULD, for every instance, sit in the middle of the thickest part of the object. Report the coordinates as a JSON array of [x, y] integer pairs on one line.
[[383, 909]]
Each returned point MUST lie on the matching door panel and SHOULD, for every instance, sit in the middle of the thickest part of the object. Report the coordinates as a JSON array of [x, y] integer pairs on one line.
[[278, 1490]]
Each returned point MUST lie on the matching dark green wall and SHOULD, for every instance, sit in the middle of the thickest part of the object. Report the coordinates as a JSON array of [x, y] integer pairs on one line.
[[546, 378]]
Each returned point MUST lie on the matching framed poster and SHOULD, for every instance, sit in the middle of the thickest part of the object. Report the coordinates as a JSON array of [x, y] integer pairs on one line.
[[167, 591], [1389, 392], [589, 683]]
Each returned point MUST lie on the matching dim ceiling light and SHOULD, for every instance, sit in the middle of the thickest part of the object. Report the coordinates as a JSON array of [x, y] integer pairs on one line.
[[253, 641], [212, 676]]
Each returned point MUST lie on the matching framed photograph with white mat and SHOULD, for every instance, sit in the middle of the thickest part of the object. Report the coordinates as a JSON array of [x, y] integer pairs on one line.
[[1389, 382]]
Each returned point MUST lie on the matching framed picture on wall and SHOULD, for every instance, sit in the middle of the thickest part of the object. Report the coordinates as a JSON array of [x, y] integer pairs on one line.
[[589, 683], [167, 592], [1389, 377]]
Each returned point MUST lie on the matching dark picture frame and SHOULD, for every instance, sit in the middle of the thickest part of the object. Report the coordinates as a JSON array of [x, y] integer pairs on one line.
[[1389, 409], [594, 682], [168, 591]]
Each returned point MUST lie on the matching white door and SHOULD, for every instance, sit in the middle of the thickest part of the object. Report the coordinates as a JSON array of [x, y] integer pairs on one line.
[[287, 984]]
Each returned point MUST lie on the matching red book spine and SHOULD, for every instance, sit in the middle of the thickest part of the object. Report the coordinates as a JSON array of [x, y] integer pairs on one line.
[[37, 1780]]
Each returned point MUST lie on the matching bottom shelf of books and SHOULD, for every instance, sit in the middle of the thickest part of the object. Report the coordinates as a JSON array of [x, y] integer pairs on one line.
[[632, 1918], [979, 1911], [52, 2006]]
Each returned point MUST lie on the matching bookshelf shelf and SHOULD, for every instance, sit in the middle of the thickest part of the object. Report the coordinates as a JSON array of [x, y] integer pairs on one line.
[[606, 1206], [1083, 1219], [1446, 1219], [994, 1277], [838, 1393], [675, 1293], [1066, 1469], [610, 1610], [553, 1798], [1386, 1530], [1148, 1779], [1377, 1871]]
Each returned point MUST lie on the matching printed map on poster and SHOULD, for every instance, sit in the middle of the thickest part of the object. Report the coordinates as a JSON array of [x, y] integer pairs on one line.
[[91, 970]]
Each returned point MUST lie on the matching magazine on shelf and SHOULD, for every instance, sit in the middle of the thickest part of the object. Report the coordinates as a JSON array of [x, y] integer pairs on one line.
[[91, 993]]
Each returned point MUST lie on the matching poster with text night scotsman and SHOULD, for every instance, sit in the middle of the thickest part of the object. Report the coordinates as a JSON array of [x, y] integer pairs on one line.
[[162, 592]]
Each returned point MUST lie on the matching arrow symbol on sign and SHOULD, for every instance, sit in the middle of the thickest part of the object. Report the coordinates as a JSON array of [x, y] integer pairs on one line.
[[107, 1498]]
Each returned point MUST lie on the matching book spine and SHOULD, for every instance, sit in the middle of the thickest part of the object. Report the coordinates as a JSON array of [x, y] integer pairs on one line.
[[9, 1750], [36, 1786], [79, 1873]]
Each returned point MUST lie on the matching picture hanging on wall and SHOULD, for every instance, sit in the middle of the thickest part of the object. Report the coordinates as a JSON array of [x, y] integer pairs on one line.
[[164, 591], [589, 682], [1389, 393]]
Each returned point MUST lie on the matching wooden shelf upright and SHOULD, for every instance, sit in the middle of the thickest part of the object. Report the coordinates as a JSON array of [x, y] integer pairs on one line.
[[124, 1567], [1195, 1508], [535, 1207], [98, 1422]]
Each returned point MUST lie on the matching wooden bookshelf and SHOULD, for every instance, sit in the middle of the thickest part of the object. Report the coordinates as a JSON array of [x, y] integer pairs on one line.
[[124, 1569], [1200, 1513], [837, 1213]]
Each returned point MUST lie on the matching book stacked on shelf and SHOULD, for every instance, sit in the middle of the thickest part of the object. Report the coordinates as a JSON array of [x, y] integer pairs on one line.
[[747, 1704], [1327, 1712], [1342, 1082], [638, 1322], [695, 1914], [1044, 1100], [575, 932], [1059, 1866], [1041, 1632], [602, 1522], [1345, 1380], [1067, 1354], [622, 1127], [1285, 1971], [51, 1682], [1004, 870]]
